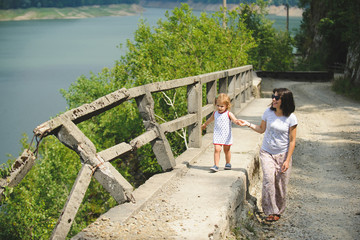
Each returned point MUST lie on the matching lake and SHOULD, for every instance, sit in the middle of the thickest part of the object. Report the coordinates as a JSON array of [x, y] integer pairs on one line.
[[40, 57]]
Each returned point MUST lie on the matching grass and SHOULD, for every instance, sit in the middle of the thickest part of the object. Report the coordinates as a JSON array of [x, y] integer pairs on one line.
[[69, 13], [343, 86]]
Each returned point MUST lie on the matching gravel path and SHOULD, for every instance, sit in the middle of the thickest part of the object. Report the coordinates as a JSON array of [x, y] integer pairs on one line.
[[324, 191]]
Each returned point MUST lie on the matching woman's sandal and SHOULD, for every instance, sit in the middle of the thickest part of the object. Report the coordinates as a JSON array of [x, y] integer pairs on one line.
[[272, 218]]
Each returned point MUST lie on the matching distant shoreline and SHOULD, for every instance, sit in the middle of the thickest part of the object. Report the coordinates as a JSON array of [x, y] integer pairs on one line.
[[119, 10], [274, 10], [70, 13], [281, 11]]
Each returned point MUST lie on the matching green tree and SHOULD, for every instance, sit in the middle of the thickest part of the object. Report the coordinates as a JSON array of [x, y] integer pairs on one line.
[[182, 45], [329, 29], [274, 50]]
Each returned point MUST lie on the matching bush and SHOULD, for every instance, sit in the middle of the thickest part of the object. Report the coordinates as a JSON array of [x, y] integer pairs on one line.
[[344, 87]]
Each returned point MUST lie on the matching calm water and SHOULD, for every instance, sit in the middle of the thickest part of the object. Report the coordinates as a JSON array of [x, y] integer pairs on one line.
[[40, 57]]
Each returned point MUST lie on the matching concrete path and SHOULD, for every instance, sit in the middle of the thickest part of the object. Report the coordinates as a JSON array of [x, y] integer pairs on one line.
[[191, 202]]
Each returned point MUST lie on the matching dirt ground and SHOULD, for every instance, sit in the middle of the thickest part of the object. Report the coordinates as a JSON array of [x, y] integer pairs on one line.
[[324, 189]]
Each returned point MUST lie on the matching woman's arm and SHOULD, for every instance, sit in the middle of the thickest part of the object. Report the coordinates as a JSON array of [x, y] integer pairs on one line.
[[292, 140], [257, 128]]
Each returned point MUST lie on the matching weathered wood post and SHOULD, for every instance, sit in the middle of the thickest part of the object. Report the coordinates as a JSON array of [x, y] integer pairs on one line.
[[160, 145], [210, 99], [248, 84], [120, 189], [19, 169], [73, 202], [194, 105], [237, 105], [223, 84], [232, 91], [71, 136], [243, 86]]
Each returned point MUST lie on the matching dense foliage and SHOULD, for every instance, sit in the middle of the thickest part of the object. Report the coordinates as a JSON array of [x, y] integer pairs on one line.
[[345, 87], [329, 28], [179, 46], [274, 51], [10, 4]]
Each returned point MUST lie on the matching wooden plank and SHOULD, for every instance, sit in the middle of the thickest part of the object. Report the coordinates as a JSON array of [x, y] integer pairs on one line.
[[115, 151], [72, 205], [179, 123], [71, 136], [118, 187], [85, 111], [19, 169], [194, 105], [144, 138], [206, 110], [136, 91], [205, 78], [171, 84], [160, 145], [238, 70]]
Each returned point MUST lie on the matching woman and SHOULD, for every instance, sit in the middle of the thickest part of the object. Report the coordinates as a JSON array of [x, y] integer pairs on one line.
[[279, 124]]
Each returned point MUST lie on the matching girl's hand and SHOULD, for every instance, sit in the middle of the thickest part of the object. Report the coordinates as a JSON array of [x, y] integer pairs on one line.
[[203, 126], [242, 122]]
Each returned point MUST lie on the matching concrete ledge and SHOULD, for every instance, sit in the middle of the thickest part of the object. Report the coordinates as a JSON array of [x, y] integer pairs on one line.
[[155, 184]]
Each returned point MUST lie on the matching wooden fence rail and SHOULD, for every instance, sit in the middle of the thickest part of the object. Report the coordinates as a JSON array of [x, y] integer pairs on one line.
[[236, 82]]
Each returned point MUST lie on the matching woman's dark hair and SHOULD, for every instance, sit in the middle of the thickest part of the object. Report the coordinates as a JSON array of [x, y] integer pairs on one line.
[[287, 101]]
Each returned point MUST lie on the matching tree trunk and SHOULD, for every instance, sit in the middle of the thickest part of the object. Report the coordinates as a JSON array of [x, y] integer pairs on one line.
[[352, 68]]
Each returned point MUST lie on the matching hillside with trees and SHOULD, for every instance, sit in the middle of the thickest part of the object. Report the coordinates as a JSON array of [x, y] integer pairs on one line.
[[9, 4]]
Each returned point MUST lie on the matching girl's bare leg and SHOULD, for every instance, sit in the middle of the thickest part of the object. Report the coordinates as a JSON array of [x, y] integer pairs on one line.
[[227, 153], [217, 150]]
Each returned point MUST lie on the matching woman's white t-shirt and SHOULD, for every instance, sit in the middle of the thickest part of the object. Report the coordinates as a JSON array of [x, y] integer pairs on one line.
[[276, 139]]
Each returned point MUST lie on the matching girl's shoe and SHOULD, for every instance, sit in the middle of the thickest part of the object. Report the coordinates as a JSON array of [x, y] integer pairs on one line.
[[214, 168], [227, 166]]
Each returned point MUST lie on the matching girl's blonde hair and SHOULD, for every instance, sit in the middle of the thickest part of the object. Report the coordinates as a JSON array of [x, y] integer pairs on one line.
[[223, 98]]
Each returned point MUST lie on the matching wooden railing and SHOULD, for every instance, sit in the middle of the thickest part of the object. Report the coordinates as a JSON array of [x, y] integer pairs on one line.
[[236, 82]]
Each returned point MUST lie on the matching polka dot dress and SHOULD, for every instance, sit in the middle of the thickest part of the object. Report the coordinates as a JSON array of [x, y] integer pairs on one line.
[[222, 129]]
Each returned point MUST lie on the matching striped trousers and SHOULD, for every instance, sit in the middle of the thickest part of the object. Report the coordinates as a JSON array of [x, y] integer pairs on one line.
[[274, 182]]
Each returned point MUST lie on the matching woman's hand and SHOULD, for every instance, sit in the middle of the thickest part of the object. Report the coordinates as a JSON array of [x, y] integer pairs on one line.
[[242, 122], [285, 166], [292, 136]]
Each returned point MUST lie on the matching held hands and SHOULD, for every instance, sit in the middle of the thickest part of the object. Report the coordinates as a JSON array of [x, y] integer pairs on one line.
[[242, 123], [239, 122]]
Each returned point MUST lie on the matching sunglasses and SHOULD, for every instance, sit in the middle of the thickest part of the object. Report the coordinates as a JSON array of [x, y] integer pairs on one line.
[[276, 97]]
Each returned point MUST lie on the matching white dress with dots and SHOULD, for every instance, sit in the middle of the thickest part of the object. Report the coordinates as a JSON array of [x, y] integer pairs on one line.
[[222, 129]]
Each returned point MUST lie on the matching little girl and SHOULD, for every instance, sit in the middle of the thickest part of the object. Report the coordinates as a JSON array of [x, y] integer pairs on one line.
[[222, 130]]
